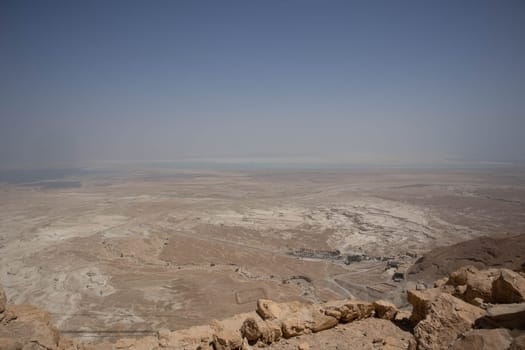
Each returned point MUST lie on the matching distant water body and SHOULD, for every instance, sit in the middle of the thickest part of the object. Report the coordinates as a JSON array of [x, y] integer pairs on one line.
[[315, 166], [46, 178], [23, 176], [61, 177]]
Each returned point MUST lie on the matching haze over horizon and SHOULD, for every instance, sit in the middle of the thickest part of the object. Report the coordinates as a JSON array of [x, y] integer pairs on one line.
[[307, 81]]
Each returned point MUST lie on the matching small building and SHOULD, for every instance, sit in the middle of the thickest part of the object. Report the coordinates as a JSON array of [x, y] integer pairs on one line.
[[398, 276], [392, 264]]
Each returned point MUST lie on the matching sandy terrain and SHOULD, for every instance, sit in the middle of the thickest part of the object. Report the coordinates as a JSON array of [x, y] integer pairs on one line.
[[127, 252]]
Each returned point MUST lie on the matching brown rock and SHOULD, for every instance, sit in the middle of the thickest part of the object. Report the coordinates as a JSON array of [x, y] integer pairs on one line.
[[518, 343], [460, 290], [66, 343], [8, 343], [402, 320], [98, 346], [333, 311], [483, 339], [29, 325], [509, 287], [144, 343], [267, 331], [245, 345], [292, 327], [440, 282], [511, 316], [3, 300], [163, 335], [446, 318], [393, 343], [251, 330], [478, 302], [420, 301], [402, 315], [125, 343], [471, 283], [306, 319], [384, 309], [190, 338], [303, 346], [227, 339], [349, 310], [7, 316], [34, 346], [461, 276], [322, 322], [268, 309], [480, 285], [272, 332]]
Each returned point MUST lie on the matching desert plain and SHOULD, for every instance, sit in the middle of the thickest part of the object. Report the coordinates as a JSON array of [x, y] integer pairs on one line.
[[125, 251]]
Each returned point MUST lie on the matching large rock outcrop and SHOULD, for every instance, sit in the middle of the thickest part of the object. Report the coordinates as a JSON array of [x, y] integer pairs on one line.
[[442, 318], [421, 301], [484, 286], [266, 331], [461, 301], [511, 316], [473, 285], [446, 318], [385, 310], [509, 287], [484, 339], [28, 327]]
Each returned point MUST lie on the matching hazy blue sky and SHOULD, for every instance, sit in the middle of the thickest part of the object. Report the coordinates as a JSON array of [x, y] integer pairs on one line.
[[341, 81]]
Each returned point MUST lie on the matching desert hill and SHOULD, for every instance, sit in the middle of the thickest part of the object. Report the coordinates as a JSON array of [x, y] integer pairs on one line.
[[482, 252]]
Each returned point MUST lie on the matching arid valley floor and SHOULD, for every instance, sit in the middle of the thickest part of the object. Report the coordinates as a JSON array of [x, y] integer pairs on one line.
[[128, 251]]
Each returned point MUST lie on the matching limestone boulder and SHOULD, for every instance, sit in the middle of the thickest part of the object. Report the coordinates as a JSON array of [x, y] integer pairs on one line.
[[420, 301], [30, 326], [303, 346], [266, 331], [483, 339], [269, 309], [510, 316], [226, 334], [163, 336], [293, 327], [440, 282], [509, 287], [321, 322], [385, 310], [190, 338], [349, 310], [310, 318], [471, 284], [7, 316], [518, 343], [66, 343], [446, 317], [227, 339]]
